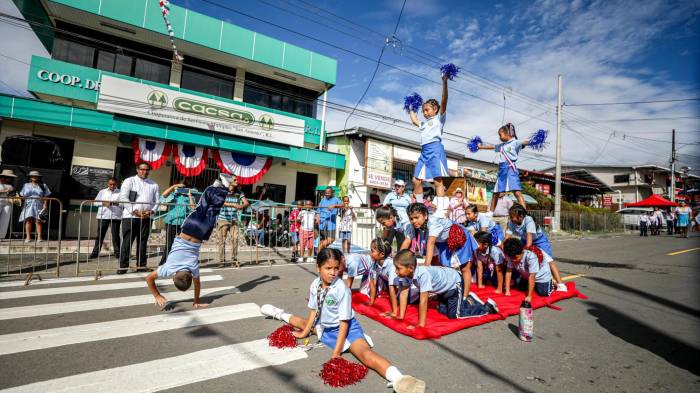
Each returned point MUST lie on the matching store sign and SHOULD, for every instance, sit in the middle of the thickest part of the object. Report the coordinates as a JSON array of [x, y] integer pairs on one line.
[[378, 164], [61, 79], [189, 110], [476, 194], [68, 80], [607, 200], [543, 188]]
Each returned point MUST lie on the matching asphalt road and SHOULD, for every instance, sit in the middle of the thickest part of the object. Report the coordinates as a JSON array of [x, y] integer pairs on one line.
[[638, 331]]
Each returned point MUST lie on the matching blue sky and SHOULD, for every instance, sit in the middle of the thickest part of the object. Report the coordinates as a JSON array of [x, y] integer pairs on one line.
[[607, 51]]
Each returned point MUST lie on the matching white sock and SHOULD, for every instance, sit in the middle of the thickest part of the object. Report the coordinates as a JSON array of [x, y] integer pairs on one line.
[[285, 316], [393, 374], [419, 198]]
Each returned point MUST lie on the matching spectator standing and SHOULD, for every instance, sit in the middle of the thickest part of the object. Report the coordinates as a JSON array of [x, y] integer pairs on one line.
[[500, 213], [34, 206], [142, 195], [683, 213], [109, 215], [328, 213], [228, 222], [347, 217], [457, 205], [670, 221], [294, 227], [7, 176], [643, 223]]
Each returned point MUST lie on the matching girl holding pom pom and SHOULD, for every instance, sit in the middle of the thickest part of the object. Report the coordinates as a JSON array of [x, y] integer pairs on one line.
[[432, 163], [331, 315]]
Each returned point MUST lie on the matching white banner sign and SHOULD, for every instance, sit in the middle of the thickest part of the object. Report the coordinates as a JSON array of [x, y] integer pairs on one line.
[[378, 164], [171, 106]]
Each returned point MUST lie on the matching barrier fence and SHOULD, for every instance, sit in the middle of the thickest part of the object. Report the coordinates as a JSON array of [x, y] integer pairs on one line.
[[581, 222], [38, 251]]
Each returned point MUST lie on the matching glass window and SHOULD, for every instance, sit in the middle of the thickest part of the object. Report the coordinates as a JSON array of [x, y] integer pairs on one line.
[[73, 52], [105, 61], [621, 178], [275, 94], [206, 83], [123, 64], [152, 71]]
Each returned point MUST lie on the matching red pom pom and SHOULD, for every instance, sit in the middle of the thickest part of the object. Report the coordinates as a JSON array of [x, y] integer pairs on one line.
[[456, 238], [282, 337], [534, 249], [340, 373]]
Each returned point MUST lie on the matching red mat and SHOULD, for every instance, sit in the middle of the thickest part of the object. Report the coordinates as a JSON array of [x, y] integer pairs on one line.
[[439, 325]]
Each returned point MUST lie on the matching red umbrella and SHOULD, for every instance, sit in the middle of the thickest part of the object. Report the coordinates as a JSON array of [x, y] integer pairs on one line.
[[653, 201]]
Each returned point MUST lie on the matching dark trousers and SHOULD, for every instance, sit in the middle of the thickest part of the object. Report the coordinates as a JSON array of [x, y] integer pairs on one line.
[[391, 234], [669, 226], [643, 229], [103, 226], [171, 231], [134, 229], [453, 305]]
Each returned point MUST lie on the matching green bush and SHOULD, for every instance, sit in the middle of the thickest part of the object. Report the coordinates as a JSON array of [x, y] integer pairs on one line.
[[546, 203]]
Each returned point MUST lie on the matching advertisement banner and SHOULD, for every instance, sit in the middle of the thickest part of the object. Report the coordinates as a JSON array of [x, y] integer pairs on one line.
[[378, 164], [188, 110], [607, 200]]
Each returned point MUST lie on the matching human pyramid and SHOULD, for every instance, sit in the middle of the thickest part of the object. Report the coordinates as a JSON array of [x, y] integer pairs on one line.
[[437, 257]]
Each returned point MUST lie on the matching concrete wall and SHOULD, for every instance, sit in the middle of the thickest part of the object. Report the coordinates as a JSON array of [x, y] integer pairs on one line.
[[285, 173]]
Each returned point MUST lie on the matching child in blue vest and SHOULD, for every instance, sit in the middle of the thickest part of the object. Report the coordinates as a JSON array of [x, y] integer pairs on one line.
[[479, 222], [490, 261], [331, 315], [444, 282], [183, 259], [523, 226]]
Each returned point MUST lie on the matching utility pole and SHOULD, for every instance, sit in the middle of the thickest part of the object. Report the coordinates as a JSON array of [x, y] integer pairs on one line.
[[672, 189], [557, 173]]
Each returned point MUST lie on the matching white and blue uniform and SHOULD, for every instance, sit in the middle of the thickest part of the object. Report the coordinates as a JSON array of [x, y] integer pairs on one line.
[[385, 275], [360, 265], [432, 162], [539, 238], [508, 176], [336, 307], [529, 263], [399, 203], [184, 255], [491, 259], [483, 221], [440, 229]]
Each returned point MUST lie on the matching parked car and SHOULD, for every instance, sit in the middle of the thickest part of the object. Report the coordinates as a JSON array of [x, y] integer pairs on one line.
[[630, 216]]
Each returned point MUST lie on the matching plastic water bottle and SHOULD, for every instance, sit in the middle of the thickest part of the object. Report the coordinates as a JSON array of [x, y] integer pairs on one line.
[[527, 322]]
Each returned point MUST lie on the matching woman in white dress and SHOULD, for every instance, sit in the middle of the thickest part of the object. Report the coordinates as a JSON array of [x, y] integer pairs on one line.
[[33, 205], [7, 176]]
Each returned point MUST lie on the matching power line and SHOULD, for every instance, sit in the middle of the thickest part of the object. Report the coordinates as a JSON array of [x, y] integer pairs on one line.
[[641, 119], [636, 102]]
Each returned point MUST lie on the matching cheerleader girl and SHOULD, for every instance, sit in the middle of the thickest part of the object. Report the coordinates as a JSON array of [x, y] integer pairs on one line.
[[454, 245], [432, 163], [490, 257], [331, 314], [524, 227], [478, 222], [508, 175]]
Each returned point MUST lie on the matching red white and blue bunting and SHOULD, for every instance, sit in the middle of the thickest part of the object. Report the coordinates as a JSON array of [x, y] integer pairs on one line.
[[155, 153], [190, 160], [248, 168], [165, 10]]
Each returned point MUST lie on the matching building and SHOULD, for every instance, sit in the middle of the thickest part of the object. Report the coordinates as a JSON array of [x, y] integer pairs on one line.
[[111, 84], [374, 159], [628, 183], [572, 189]]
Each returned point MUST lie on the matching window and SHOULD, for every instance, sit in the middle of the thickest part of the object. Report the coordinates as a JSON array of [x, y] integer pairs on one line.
[[152, 71], [73, 52], [621, 178], [207, 77], [274, 94]]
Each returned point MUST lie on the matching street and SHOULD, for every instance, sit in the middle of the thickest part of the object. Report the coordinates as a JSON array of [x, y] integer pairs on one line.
[[638, 331]]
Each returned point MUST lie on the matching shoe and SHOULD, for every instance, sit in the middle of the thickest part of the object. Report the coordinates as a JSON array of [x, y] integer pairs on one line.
[[271, 311], [310, 259], [561, 287], [473, 296], [409, 384], [121, 271], [93, 256], [27, 240], [40, 241], [492, 306]]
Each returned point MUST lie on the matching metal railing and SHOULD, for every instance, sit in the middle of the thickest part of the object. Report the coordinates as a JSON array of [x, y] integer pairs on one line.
[[38, 251], [582, 222]]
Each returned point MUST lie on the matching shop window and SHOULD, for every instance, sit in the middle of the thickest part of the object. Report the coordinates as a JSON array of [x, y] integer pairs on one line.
[[207, 77], [274, 94], [621, 178]]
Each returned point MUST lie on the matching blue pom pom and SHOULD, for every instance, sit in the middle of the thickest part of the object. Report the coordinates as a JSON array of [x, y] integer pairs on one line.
[[474, 143], [538, 140], [450, 70], [412, 103]]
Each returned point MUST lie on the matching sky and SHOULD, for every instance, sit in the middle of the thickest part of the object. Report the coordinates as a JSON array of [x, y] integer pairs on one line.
[[510, 53]]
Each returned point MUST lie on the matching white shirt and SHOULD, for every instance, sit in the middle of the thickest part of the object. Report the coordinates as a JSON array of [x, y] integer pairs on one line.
[[442, 205], [112, 212], [431, 129], [308, 219], [147, 197], [337, 304]]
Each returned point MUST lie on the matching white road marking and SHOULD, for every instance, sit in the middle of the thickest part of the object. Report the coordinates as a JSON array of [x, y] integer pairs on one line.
[[97, 287], [171, 372], [68, 335], [66, 280], [100, 304]]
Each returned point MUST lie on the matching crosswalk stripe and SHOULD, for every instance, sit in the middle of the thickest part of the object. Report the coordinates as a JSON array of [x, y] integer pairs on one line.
[[171, 372], [50, 338], [66, 280], [91, 288], [99, 304]]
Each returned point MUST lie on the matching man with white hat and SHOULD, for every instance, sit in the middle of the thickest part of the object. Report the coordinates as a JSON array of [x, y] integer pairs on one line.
[[7, 176]]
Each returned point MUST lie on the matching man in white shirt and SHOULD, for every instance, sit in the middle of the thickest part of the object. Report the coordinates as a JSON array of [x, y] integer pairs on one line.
[[109, 214], [142, 195]]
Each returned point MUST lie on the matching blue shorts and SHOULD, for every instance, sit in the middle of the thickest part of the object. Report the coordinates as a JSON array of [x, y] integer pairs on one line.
[[432, 162], [345, 235], [508, 179], [355, 332], [544, 289], [295, 237]]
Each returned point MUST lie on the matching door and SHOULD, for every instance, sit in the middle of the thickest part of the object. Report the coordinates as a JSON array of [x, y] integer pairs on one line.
[[306, 186]]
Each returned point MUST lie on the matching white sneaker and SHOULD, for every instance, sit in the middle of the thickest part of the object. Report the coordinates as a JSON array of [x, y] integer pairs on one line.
[[492, 305], [271, 311], [409, 384], [561, 287], [310, 259], [475, 298]]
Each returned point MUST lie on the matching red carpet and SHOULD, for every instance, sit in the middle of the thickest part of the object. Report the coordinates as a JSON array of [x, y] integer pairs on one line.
[[439, 325]]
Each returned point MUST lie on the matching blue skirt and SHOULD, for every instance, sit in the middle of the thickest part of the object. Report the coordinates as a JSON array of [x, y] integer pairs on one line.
[[542, 243], [432, 162], [497, 235], [464, 254], [330, 335], [508, 179]]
